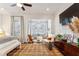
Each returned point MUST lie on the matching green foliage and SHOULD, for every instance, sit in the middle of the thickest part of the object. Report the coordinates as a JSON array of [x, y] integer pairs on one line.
[[59, 37]]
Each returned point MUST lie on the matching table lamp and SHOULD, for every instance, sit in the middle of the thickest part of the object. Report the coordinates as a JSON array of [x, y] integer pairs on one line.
[[49, 36], [1, 32]]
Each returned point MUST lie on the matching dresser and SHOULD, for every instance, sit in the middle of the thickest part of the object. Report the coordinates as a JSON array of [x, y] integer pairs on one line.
[[67, 49]]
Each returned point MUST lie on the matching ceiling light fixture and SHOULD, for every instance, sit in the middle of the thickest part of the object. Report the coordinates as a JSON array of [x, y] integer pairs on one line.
[[19, 5], [47, 9]]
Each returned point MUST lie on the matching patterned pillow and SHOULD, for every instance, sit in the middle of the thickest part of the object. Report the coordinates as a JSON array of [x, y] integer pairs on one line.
[[69, 37]]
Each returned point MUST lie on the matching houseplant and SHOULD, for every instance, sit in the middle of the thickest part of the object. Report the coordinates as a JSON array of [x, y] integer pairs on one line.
[[59, 37]]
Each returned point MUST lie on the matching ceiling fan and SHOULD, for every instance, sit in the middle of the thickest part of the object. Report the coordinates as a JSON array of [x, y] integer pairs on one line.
[[21, 5]]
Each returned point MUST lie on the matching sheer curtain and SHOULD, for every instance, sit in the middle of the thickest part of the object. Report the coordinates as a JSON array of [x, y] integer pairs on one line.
[[39, 27], [17, 28]]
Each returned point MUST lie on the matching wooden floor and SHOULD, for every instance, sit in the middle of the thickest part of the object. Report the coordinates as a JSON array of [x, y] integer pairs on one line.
[[35, 49]]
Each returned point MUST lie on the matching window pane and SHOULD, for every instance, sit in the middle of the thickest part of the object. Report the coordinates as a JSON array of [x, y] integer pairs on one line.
[[38, 27]]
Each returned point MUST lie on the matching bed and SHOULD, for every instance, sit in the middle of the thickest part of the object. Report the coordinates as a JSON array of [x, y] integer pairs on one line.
[[7, 44]]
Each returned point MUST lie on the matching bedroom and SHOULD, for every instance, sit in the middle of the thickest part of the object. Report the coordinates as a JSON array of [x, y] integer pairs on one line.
[[14, 24]]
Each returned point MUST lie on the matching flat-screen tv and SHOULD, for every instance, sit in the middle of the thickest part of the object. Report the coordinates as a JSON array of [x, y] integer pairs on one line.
[[65, 21]]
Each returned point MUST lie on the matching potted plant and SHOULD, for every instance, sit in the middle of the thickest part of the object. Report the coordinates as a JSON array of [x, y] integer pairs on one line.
[[59, 37]]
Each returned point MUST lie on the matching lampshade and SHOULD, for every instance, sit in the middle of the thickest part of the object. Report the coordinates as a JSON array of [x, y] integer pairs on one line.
[[19, 5], [49, 35], [1, 31]]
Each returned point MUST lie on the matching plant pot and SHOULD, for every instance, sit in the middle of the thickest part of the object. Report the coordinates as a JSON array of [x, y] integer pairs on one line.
[[50, 45], [64, 40]]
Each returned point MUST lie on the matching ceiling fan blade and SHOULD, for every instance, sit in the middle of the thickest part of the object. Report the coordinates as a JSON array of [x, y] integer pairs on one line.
[[26, 4], [13, 5], [23, 8]]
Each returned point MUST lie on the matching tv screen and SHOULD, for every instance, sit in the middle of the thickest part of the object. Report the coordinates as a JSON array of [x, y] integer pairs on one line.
[[66, 21]]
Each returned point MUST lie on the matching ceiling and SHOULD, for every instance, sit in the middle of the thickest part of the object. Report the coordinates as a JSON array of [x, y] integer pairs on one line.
[[37, 8]]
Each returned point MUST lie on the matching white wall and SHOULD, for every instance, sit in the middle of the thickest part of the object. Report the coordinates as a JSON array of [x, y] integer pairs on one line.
[[5, 22], [57, 25], [0, 21], [26, 18]]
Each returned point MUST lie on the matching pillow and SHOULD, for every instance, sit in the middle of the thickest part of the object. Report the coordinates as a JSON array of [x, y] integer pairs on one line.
[[6, 39]]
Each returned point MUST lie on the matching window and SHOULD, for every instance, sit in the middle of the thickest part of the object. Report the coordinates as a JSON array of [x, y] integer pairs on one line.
[[16, 26], [38, 27]]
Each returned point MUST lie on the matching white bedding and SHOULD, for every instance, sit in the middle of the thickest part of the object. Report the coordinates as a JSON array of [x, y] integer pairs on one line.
[[6, 39], [7, 44], [7, 47], [3, 45]]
